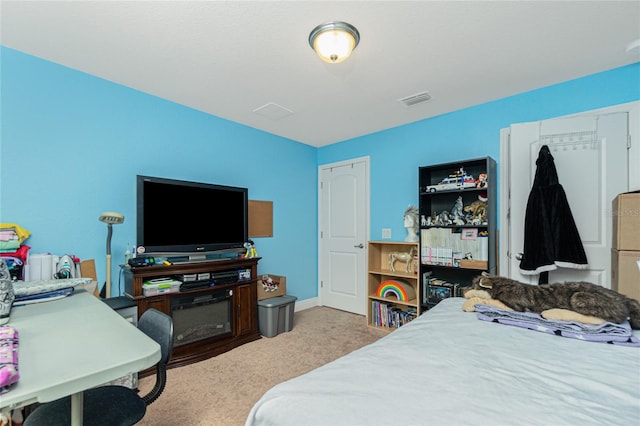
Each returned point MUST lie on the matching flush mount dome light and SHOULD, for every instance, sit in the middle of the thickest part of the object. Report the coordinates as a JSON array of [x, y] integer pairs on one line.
[[334, 41]]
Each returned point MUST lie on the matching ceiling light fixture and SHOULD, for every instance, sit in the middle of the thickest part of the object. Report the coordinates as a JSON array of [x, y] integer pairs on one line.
[[334, 41]]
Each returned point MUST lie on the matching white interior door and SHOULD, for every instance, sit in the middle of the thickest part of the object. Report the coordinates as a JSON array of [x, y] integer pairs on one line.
[[591, 157], [344, 225]]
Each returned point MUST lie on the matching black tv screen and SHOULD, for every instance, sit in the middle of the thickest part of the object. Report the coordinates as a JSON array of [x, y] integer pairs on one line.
[[181, 217]]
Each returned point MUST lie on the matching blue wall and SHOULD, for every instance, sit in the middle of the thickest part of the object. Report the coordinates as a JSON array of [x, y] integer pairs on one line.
[[71, 145], [396, 154]]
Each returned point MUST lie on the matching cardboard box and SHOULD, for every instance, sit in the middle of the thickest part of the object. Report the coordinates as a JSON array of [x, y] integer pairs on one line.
[[270, 285], [625, 273], [625, 211]]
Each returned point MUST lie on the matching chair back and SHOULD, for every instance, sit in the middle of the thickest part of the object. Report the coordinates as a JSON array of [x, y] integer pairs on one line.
[[158, 326]]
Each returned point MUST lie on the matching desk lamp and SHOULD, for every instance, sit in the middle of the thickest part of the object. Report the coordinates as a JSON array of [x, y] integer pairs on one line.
[[110, 218]]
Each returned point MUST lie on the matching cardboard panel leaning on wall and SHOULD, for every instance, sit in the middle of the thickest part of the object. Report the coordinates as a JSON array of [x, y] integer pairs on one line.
[[88, 270]]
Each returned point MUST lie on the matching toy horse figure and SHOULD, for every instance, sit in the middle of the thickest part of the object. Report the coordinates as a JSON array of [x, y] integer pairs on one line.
[[406, 257]]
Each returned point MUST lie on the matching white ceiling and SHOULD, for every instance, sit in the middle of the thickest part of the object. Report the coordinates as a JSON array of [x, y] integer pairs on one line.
[[229, 58]]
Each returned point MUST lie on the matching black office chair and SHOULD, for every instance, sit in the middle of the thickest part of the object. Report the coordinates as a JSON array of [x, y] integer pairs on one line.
[[115, 405]]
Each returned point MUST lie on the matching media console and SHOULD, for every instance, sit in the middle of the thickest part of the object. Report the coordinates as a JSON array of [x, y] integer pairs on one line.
[[209, 320]]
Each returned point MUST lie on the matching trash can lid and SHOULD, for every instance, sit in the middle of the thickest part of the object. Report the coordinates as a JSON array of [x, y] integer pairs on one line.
[[276, 301]]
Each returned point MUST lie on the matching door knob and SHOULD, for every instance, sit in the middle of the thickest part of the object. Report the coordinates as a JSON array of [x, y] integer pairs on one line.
[[359, 246], [519, 256]]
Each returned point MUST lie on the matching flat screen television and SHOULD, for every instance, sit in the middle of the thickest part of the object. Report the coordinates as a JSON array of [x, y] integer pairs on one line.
[[176, 218]]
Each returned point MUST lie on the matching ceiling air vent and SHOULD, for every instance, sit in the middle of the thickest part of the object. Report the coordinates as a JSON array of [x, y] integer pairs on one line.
[[273, 111], [418, 98]]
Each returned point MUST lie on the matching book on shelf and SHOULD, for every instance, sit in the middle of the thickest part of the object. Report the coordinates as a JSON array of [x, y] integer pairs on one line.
[[447, 246], [389, 315]]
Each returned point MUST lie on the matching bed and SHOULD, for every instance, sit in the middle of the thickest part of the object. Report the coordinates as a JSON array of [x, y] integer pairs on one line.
[[447, 367]]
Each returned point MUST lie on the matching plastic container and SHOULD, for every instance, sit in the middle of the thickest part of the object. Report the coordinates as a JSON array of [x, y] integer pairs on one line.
[[151, 288], [275, 315]]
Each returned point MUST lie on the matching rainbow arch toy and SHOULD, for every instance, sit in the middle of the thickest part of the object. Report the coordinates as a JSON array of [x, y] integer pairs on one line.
[[401, 290]]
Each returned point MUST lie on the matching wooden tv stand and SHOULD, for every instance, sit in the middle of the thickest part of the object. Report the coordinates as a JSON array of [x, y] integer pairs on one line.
[[244, 306]]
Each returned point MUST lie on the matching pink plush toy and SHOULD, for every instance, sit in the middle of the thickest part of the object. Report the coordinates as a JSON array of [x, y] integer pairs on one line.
[[9, 374]]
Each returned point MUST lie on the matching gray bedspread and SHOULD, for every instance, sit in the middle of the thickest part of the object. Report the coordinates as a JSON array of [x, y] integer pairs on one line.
[[448, 368]]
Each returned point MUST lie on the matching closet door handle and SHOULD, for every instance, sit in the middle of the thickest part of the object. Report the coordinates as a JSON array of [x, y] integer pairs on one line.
[[359, 246]]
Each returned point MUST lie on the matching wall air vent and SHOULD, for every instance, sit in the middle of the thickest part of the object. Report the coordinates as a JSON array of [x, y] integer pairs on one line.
[[412, 100]]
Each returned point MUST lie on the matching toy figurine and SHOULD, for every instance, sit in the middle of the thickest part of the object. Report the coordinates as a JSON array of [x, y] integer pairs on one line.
[[457, 215], [482, 181], [406, 257], [443, 219], [251, 250], [476, 212]]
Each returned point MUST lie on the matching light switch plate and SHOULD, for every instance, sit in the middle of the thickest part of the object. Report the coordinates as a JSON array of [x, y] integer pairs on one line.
[[386, 233]]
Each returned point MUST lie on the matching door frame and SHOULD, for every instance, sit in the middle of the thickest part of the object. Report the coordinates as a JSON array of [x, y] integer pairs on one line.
[[367, 212], [633, 178]]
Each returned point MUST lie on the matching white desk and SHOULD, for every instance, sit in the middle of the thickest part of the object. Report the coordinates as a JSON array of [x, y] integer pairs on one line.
[[73, 344]]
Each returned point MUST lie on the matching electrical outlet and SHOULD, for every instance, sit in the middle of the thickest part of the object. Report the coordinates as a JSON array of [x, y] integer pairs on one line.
[[386, 233]]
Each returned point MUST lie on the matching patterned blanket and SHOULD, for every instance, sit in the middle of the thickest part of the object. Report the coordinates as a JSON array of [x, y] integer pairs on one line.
[[29, 288]]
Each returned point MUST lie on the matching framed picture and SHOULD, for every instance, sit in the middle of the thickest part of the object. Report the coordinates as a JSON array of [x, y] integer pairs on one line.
[[469, 234]]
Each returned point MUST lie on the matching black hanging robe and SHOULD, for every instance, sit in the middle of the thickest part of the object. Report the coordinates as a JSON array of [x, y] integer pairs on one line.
[[551, 238]]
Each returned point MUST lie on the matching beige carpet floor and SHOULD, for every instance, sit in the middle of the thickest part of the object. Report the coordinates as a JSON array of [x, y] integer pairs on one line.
[[222, 390]]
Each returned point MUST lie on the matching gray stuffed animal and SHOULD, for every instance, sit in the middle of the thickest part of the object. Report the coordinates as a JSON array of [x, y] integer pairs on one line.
[[578, 296]]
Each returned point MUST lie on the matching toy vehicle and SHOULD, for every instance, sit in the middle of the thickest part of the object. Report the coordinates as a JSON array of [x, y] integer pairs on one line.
[[457, 182]]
